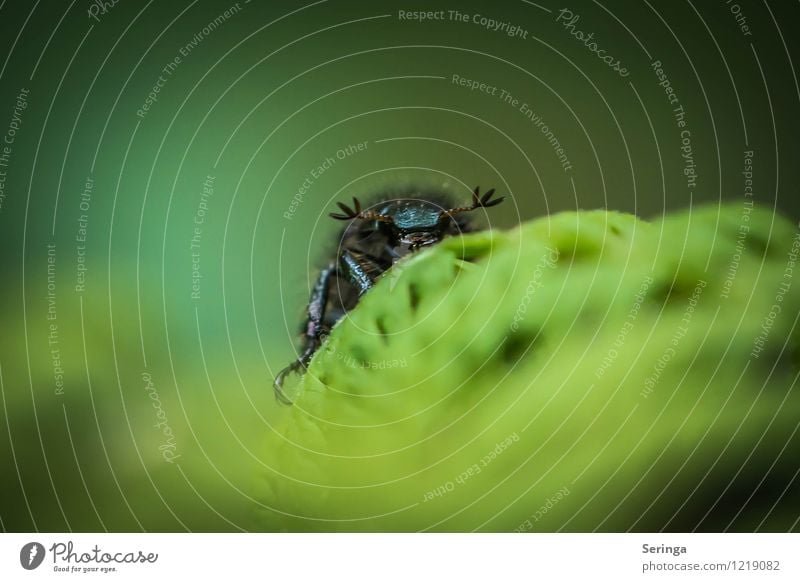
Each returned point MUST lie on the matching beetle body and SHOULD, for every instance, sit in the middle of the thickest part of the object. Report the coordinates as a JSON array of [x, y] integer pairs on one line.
[[375, 238]]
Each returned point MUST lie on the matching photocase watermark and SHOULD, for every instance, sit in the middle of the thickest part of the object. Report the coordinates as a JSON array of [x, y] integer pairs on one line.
[[627, 326], [744, 228], [678, 112], [548, 261], [52, 322], [538, 122], [81, 235], [100, 8], [509, 29], [473, 470], [316, 173], [197, 234], [664, 82], [687, 153], [169, 448], [523, 107], [741, 19], [783, 288], [568, 20], [549, 503], [350, 361], [9, 138], [681, 331], [474, 85], [31, 555], [172, 66], [68, 559]]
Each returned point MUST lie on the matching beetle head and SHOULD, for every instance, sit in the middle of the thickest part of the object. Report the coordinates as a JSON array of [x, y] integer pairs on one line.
[[415, 222]]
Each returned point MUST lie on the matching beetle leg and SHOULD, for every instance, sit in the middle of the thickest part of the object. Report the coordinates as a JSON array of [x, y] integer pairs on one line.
[[311, 335], [357, 268]]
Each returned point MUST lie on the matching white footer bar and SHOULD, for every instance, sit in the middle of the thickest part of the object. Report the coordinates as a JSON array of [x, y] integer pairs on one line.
[[378, 557]]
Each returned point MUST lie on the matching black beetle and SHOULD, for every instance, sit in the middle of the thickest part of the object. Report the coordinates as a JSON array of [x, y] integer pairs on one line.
[[375, 239]]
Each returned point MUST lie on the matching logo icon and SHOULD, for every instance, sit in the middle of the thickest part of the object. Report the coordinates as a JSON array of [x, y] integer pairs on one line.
[[31, 555]]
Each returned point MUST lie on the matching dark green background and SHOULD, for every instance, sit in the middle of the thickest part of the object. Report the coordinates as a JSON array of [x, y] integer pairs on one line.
[[260, 102]]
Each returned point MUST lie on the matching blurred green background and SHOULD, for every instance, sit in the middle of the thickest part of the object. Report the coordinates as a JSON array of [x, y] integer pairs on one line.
[[143, 316]]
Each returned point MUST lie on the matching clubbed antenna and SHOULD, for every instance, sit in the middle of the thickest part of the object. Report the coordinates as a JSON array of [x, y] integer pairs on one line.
[[478, 201], [356, 212]]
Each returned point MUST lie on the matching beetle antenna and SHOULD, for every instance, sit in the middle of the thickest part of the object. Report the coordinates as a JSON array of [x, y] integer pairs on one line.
[[478, 201], [351, 214]]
